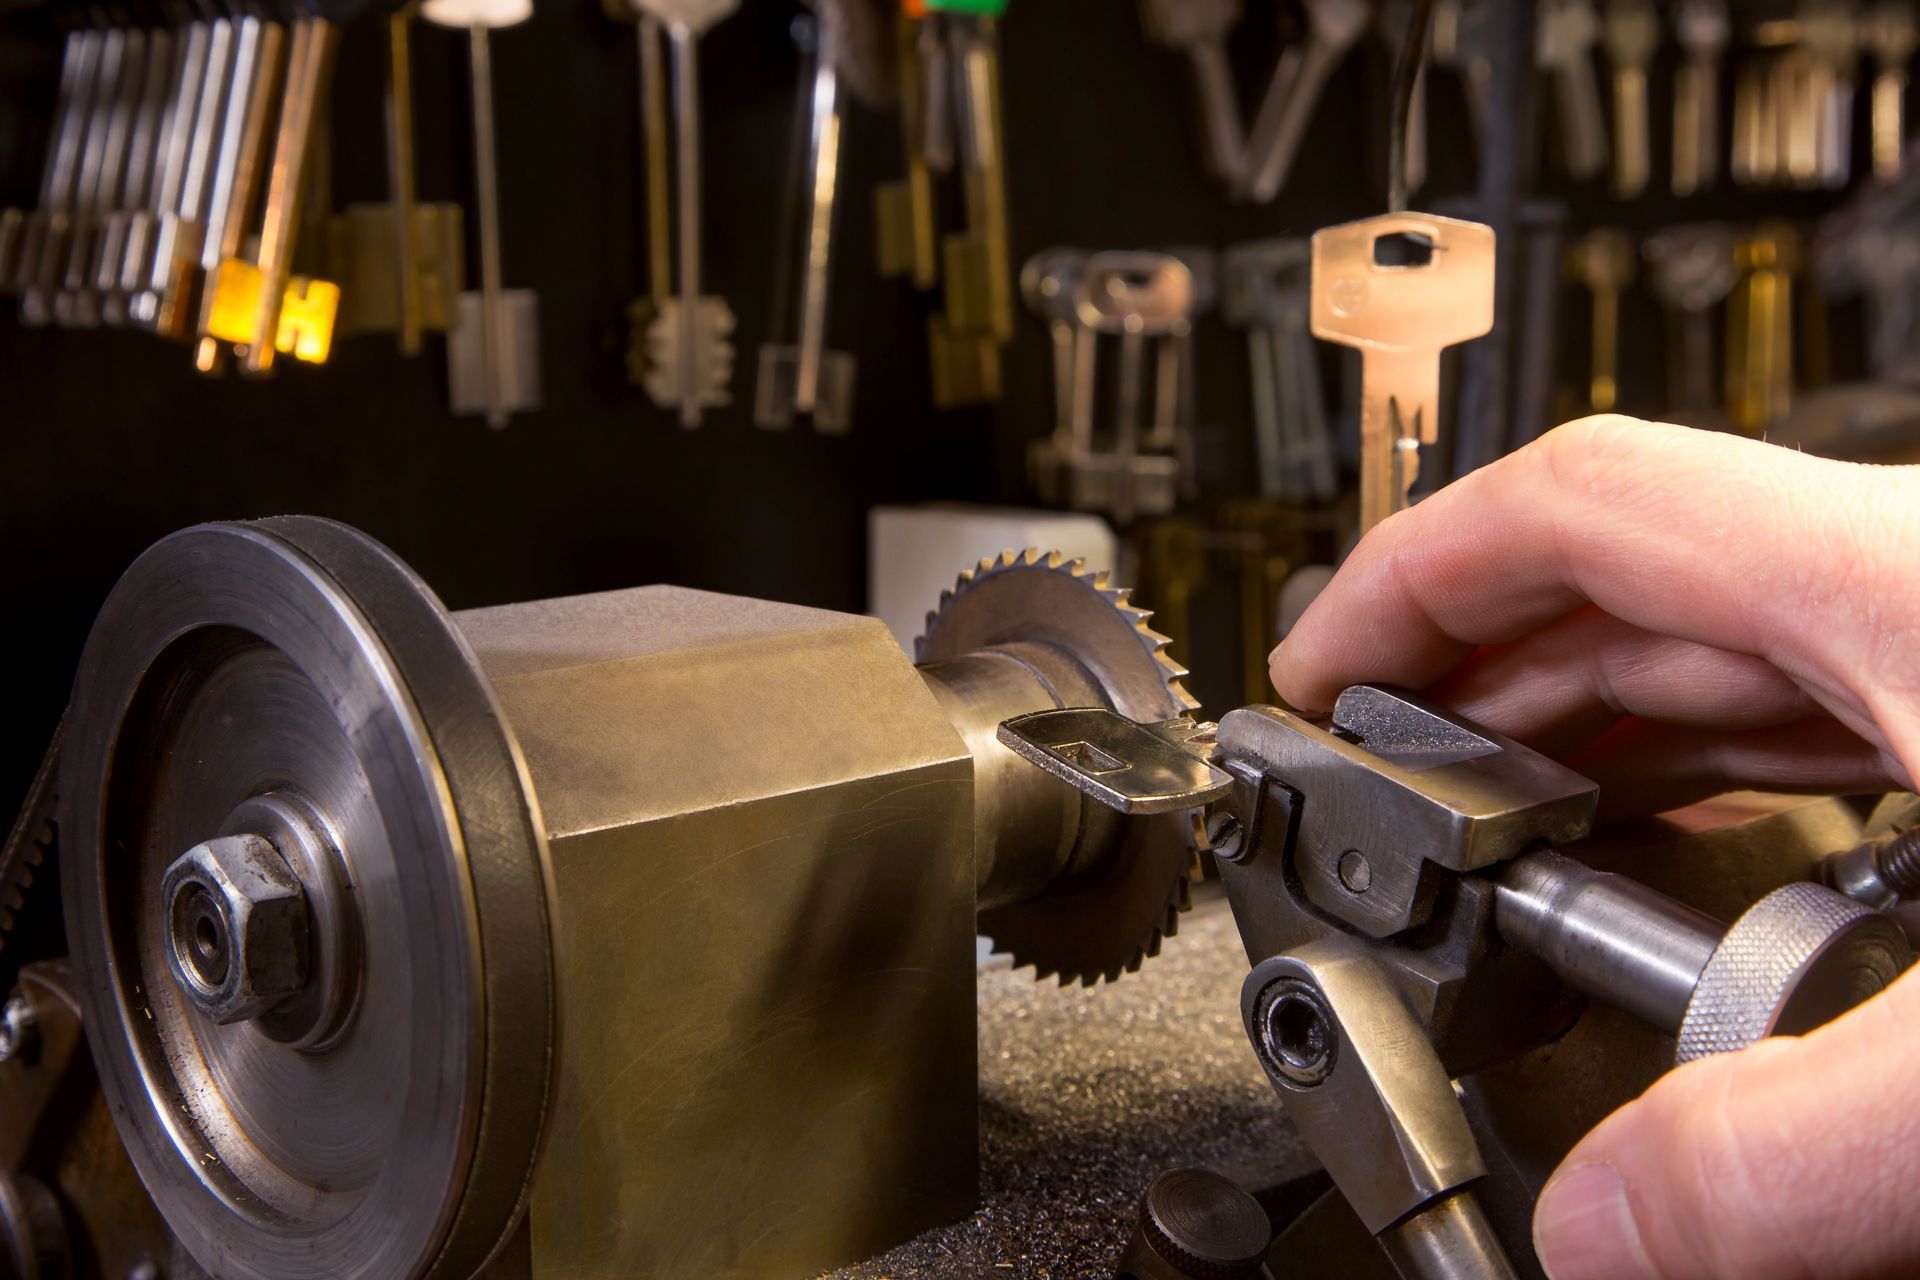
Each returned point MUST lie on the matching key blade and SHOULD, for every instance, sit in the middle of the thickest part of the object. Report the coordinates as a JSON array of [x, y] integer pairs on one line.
[[1126, 765], [1399, 412]]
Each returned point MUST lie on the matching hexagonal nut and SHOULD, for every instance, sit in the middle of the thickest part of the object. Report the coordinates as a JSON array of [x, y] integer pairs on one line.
[[237, 927]]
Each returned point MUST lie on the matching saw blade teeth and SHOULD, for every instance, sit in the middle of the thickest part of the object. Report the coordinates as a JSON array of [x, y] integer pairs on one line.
[[1164, 922]]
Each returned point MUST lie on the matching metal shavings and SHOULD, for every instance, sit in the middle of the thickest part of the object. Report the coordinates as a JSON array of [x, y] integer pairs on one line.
[[1087, 1093]]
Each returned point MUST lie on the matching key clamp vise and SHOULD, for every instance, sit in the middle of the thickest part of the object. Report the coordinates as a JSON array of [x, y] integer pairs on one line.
[[1393, 873]]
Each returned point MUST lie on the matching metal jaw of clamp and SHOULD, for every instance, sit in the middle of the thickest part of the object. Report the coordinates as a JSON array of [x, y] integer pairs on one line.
[[1392, 872]]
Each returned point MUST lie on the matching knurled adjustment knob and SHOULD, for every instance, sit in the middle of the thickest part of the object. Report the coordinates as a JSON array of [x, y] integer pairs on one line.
[[1798, 958], [1196, 1225]]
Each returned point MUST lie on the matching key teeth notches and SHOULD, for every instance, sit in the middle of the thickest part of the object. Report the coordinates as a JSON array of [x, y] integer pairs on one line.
[[653, 350], [1120, 598]]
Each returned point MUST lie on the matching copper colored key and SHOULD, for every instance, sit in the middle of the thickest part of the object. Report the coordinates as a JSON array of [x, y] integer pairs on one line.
[[1401, 288]]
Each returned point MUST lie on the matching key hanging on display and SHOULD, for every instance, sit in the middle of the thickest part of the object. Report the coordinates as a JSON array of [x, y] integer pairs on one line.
[[803, 378], [680, 349], [493, 348]]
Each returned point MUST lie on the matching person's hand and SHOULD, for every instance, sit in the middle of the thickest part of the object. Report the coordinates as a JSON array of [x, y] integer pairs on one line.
[[1677, 613]]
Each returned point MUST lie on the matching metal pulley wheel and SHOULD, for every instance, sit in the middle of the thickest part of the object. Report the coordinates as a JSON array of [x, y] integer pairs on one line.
[[307, 893]]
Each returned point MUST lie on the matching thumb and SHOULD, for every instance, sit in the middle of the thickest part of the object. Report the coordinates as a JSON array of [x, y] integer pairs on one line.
[[1796, 1157]]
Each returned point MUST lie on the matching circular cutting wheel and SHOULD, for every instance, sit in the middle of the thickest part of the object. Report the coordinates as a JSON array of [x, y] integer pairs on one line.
[[1126, 885], [292, 680]]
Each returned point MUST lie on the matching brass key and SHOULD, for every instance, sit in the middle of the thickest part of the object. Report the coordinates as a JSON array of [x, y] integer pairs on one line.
[[259, 65], [977, 261], [656, 156], [950, 91], [1891, 32], [1631, 33], [172, 264], [259, 305], [401, 265], [1371, 290], [907, 242], [400, 182], [1750, 161], [1703, 29], [1760, 328], [1603, 261], [1266, 544]]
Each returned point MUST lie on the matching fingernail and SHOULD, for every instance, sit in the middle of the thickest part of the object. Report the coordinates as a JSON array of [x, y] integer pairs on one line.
[[1583, 1228]]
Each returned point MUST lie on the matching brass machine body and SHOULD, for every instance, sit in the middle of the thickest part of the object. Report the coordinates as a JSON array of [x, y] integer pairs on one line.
[[704, 1003], [761, 829]]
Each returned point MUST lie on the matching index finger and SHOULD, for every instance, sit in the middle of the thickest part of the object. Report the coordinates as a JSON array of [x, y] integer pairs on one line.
[[1714, 538]]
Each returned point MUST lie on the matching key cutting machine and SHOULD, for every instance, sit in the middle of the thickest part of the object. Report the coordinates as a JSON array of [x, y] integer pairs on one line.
[[630, 934]]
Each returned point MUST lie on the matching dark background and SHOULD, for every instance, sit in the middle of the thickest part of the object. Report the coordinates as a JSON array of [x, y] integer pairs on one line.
[[109, 440]]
